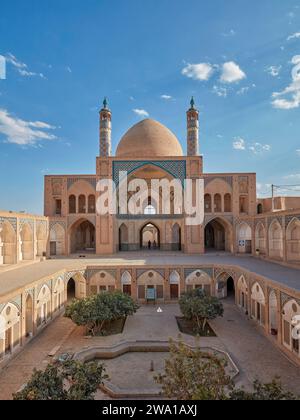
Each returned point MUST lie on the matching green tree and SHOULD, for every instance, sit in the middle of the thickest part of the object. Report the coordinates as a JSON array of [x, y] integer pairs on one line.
[[196, 375], [198, 307], [193, 375], [71, 380], [263, 392], [96, 311]]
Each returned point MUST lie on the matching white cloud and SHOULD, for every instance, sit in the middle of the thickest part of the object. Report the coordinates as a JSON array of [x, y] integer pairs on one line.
[[292, 176], [27, 73], [231, 73], [201, 71], [274, 70], [243, 90], [229, 34], [292, 101], [222, 92], [166, 97], [239, 144], [287, 105], [256, 148], [294, 36], [22, 68], [141, 113], [15, 62], [22, 132], [42, 125]]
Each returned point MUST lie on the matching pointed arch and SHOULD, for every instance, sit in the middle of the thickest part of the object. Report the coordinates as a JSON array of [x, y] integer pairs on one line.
[[43, 305], [123, 238], [227, 203], [150, 236], [41, 240], [176, 237], [244, 238], [174, 281], [273, 312], [151, 283], [82, 204], [8, 244], [102, 281], [10, 338], [219, 235], [293, 240], [198, 279], [72, 204], [82, 236], [26, 245], [276, 240], [261, 239], [57, 240], [258, 303], [217, 203], [291, 310], [59, 294], [208, 203], [242, 292], [225, 285], [126, 281], [29, 316], [91, 204]]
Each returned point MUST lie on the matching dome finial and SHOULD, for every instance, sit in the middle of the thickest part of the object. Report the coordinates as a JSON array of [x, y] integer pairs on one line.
[[105, 103], [192, 103]]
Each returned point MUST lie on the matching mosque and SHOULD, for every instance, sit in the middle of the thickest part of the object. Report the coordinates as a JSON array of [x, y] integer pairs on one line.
[[246, 248], [149, 151]]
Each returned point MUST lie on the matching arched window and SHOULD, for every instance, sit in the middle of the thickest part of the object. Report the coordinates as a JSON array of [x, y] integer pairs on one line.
[[258, 303], [218, 203], [243, 293], [207, 203], [57, 240], [81, 204], [291, 310], [243, 204], [227, 203], [244, 238], [123, 238], [276, 240], [176, 238], [293, 240], [273, 313], [91, 204], [72, 204], [10, 329], [259, 209], [150, 210], [260, 238]]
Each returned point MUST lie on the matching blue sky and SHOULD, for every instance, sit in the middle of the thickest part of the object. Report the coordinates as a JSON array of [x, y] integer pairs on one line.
[[240, 60]]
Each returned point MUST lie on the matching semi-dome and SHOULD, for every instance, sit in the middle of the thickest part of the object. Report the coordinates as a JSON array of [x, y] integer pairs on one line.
[[149, 138]]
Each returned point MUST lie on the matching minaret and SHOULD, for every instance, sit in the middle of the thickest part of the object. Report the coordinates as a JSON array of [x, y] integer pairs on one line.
[[192, 130], [105, 130]]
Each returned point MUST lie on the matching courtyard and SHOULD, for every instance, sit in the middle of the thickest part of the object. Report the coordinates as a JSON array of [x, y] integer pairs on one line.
[[238, 336]]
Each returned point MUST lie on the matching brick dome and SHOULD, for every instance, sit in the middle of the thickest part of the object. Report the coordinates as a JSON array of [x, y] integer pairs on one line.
[[149, 139]]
